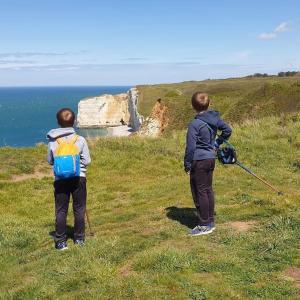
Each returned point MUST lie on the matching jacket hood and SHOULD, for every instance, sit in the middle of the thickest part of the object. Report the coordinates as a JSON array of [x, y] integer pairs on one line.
[[211, 117], [60, 132]]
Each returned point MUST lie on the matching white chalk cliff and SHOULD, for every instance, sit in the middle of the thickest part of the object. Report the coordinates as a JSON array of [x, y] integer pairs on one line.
[[135, 119], [110, 110]]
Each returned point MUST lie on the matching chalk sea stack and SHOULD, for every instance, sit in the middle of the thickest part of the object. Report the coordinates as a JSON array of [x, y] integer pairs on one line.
[[110, 110]]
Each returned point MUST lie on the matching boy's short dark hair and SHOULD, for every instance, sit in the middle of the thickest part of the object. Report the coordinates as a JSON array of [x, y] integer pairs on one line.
[[200, 101], [65, 117]]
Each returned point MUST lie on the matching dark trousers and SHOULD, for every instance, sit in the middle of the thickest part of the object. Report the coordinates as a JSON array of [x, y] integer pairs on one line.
[[63, 189], [201, 177]]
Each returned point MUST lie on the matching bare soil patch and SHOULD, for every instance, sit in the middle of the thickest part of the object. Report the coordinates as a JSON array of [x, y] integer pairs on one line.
[[241, 226], [293, 273], [126, 270], [148, 231]]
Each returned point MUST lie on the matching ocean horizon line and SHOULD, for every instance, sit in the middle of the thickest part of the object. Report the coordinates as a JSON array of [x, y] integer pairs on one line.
[[64, 86]]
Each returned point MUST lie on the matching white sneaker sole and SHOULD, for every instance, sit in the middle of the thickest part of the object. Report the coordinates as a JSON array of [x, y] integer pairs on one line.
[[63, 249], [202, 233]]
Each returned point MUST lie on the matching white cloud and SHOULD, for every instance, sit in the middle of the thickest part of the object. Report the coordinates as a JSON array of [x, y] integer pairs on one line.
[[134, 59], [112, 66], [282, 27], [268, 36], [32, 54]]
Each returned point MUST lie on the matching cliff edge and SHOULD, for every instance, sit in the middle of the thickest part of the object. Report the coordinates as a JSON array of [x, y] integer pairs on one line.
[[156, 122], [110, 110]]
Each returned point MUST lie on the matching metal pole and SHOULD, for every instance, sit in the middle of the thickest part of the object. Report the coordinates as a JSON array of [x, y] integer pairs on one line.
[[259, 178], [92, 233]]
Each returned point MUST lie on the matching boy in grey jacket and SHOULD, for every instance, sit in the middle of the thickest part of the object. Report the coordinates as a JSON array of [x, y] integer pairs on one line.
[[64, 188], [199, 159]]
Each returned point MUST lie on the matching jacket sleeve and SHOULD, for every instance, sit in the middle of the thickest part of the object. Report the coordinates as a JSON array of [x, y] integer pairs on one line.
[[50, 155], [225, 132], [85, 154], [191, 139]]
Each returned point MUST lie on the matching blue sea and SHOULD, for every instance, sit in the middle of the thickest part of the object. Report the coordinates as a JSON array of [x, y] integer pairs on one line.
[[28, 113]]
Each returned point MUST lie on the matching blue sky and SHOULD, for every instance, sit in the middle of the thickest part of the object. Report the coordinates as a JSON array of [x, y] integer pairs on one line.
[[118, 42]]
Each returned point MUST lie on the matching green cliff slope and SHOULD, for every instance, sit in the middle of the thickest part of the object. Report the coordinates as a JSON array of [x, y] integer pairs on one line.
[[141, 209], [237, 99]]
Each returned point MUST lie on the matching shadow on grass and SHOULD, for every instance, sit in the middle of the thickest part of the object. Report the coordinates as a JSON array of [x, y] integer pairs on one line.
[[184, 215], [69, 232]]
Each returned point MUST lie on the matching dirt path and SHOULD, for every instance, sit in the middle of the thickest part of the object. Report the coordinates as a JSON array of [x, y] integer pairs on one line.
[[36, 175]]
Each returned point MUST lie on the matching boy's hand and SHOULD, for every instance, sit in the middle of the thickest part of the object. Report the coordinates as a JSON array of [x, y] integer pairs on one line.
[[187, 170], [216, 146]]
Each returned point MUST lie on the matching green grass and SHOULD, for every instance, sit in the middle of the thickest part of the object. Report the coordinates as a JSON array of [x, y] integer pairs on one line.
[[237, 99], [141, 210], [16, 162]]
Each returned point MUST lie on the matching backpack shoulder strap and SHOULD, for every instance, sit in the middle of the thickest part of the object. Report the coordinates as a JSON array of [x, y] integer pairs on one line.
[[211, 131], [59, 141], [204, 124], [74, 139]]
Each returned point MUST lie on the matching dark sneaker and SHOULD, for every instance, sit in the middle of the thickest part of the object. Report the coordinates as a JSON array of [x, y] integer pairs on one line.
[[61, 246], [200, 230], [79, 242], [212, 226]]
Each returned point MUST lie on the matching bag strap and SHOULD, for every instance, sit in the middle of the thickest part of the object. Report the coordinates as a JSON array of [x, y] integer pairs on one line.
[[204, 124], [73, 140], [59, 141]]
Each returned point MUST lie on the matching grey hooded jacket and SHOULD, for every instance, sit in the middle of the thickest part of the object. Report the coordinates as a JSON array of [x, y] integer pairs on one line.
[[200, 140], [68, 133]]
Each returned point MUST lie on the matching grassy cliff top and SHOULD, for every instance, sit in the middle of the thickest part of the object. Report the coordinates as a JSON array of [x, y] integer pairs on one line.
[[237, 99], [141, 209]]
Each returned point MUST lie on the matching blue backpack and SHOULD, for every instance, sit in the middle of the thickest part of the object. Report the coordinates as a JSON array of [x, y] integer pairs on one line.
[[66, 159]]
